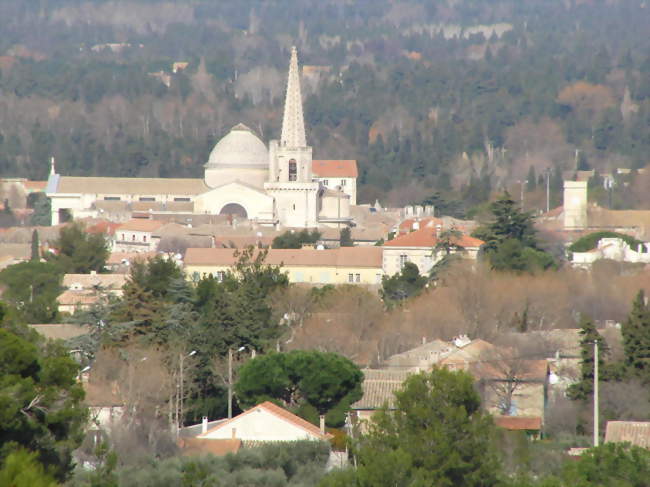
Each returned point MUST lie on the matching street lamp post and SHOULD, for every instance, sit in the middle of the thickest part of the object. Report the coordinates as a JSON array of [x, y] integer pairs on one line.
[[230, 379]]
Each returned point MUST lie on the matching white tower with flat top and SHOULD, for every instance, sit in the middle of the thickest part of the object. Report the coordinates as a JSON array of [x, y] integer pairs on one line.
[[290, 162], [575, 205]]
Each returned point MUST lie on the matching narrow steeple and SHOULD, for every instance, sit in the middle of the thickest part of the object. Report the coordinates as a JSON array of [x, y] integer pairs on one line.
[[293, 124]]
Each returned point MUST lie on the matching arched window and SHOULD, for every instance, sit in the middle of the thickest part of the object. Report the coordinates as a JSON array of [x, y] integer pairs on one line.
[[293, 170]]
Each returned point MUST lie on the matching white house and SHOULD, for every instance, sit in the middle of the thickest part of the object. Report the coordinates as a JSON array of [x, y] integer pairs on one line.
[[263, 423], [613, 249], [418, 247], [136, 235]]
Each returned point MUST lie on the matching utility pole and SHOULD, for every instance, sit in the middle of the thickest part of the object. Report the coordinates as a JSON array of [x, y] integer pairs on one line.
[[596, 432], [179, 413], [548, 190], [229, 383]]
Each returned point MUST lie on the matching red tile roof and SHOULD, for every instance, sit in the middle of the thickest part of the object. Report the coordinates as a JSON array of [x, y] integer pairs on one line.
[[279, 412], [427, 222], [519, 422], [335, 169], [426, 237]]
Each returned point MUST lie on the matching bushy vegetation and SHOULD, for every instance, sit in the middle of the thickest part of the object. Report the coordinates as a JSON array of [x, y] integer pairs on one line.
[[295, 240], [590, 242], [296, 464]]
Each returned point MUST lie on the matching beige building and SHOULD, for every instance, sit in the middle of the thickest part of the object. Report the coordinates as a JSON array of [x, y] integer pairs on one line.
[[84, 290], [575, 205], [279, 185], [345, 265], [418, 247], [137, 235]]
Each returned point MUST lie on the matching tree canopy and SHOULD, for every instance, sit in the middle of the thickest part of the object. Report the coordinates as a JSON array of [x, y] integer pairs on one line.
[[437, 434], [322, 381], [79, 252], [405, 284], [42, 409]]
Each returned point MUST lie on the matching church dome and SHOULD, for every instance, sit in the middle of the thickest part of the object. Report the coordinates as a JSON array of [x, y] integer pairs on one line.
[[240, 148]]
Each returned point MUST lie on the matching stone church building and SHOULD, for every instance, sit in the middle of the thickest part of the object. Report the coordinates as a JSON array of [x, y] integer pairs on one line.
[[278, 185]]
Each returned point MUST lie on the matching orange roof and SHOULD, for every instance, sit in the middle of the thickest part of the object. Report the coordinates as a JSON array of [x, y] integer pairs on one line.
[[279, 412], [341, 257], [201, 446], [335, 168], [428, 222], [33, 186], [141, 225], [519, 422], [103, 226], [426, 237]]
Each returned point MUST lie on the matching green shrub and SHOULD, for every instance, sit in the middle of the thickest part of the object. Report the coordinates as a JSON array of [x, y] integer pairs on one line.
[[590, 242]]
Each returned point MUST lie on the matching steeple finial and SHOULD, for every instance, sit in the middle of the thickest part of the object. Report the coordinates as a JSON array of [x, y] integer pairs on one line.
[[293, 125], [52, 168]]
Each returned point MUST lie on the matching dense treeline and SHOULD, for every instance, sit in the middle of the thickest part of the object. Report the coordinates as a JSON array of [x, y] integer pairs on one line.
[[463, 115]]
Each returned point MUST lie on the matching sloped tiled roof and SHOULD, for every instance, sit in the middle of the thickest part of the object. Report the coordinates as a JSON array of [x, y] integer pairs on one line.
[[279, 412], [519, 423], [379, 386], [203, 446], [76, 298], [140, 225], [116, 258], [635, 432], [341, 257], [137, 186], [426, 237], [335, 168], [87, 281]]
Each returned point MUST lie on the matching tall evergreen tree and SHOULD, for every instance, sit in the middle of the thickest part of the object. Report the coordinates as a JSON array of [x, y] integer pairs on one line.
[[636, 338], [589, 334], [36, 254]]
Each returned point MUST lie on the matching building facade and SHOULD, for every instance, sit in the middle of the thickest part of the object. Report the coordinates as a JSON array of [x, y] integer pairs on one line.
[[277, 185]]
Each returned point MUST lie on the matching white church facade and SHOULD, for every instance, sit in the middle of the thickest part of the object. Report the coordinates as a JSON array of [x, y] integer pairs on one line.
[[278, 185]]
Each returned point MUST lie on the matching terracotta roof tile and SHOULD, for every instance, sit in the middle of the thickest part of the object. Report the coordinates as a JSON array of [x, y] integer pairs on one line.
[[634, 432], [140, 225], [341, 257], [426, 237], [519, 422], [379, 386], [335, 168]]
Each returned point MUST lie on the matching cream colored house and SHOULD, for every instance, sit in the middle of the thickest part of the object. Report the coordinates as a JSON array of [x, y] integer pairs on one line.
[[418, 247], [84, 290], [136, 235], [277, 185], [265, 422], [344, 265]]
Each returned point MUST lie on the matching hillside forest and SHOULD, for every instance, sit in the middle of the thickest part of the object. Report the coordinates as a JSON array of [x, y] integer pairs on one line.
[[444, 102]]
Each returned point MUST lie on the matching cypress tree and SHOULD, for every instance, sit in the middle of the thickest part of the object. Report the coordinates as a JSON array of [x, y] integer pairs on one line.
[[636, 337], [36, 254]]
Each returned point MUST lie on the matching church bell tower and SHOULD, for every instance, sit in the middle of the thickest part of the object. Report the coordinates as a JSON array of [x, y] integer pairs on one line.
[[290, 164]]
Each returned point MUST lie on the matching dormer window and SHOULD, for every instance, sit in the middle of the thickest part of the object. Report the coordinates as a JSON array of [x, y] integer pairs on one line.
[[293, 170]]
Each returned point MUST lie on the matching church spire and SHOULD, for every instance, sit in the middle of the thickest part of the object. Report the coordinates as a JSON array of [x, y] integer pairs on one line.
[[293, 124]]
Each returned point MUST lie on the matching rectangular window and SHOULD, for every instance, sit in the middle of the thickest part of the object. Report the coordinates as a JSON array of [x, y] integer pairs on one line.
[[403, 259], [293, 170], [299, 277], [144, 238], [358, 278], [343, 182], [325, 182], [147, 198], [111, 198], [378, 278], [182, 199], [220, 276], [133, 237], [350, 277]]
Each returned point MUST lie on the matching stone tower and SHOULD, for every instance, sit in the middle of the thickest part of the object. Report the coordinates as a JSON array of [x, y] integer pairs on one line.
[[290, 161], [575, 204]]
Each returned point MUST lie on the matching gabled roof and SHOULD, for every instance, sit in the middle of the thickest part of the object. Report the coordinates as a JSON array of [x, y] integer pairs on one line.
[[89, 281], [330, 168], [379, 386], [426, 237], [278, 412], [634, 432]]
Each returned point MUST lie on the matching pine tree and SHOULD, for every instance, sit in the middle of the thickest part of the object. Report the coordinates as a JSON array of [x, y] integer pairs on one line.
[[636, 337], [589, 334]]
